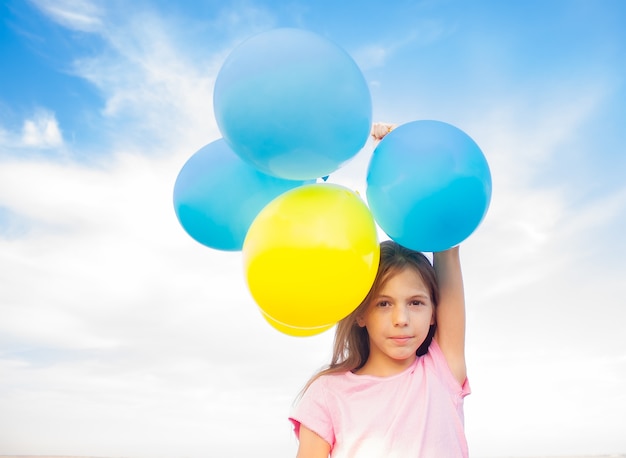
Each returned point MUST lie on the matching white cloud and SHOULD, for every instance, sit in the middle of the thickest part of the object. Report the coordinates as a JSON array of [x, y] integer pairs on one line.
[[40, 131], [80, 15], [147, 81], [114, 316], [377, 55], [154, 94]]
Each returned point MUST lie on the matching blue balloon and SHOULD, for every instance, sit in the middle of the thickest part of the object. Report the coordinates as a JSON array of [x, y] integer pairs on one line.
[[217, 196], [293, 104], [428, 185]]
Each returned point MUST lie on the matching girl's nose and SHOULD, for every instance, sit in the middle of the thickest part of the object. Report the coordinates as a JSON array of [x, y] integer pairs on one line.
[[400, 316]]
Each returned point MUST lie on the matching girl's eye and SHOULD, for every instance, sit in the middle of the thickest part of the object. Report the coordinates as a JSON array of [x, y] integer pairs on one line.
[[383, 304], [417, 303]]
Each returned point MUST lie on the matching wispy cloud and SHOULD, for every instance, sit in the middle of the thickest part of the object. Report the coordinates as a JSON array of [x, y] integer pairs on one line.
[[542, 270], [41, 131], [536, 197], [376, 54], [157, 87], [81, 15], [109, 304], [153, 94]]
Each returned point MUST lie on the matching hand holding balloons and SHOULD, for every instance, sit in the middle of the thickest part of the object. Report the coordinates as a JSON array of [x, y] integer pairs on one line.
[[380, 129]]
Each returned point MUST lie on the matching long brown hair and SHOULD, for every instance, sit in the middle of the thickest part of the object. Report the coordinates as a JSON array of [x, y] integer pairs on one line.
[[351, 347]]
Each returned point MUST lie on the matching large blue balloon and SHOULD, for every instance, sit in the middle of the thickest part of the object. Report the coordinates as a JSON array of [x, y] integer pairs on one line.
[[217, 196], [293, 104], [428, 185]]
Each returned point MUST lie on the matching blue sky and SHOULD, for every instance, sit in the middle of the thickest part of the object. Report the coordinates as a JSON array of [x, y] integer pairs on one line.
[[121, 336]]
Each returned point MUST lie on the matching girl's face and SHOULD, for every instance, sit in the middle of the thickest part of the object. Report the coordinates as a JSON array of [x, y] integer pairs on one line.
[[397, 319]]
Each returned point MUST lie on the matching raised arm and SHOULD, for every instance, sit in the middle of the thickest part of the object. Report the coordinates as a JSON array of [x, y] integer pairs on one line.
[[450, 334]]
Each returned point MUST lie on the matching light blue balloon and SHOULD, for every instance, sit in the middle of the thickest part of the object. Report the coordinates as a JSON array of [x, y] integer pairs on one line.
[[428, 185], [217, 196], [293, 104]]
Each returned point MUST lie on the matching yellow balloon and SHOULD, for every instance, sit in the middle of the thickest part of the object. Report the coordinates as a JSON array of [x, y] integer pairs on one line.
[[293, 330], [311, 255]]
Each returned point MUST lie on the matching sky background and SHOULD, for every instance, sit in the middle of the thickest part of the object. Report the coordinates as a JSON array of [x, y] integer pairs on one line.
[[122, 336]]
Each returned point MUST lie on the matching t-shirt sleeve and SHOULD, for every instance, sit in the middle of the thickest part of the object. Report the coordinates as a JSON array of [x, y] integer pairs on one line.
[[442, 368], [312, 411]]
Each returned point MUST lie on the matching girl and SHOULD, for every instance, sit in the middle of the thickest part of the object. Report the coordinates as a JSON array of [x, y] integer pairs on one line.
[[397, 379]]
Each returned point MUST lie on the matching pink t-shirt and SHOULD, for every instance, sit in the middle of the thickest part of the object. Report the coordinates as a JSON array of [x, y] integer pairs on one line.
[[416, 413]]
